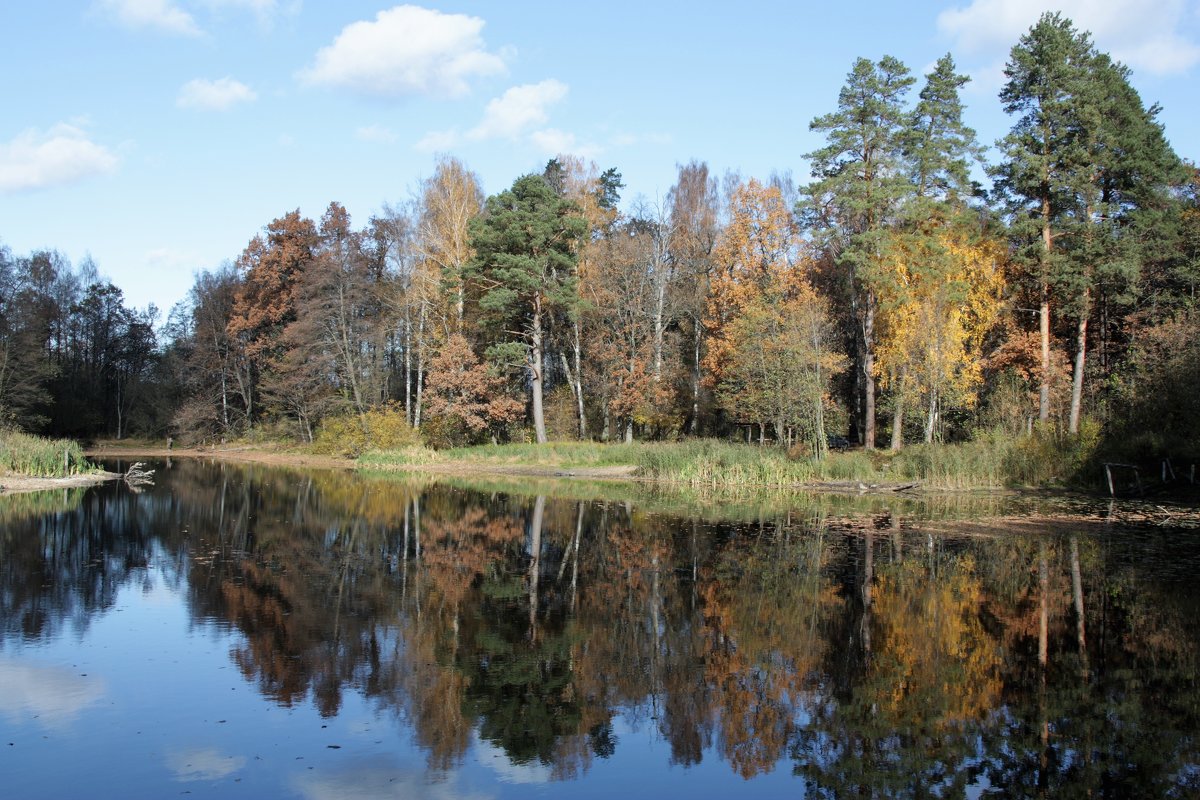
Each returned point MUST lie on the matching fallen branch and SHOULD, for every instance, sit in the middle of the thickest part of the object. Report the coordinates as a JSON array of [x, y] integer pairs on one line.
[[138, 475]]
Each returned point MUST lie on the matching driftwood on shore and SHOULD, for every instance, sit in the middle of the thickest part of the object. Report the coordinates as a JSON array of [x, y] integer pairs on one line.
[[137, 475]]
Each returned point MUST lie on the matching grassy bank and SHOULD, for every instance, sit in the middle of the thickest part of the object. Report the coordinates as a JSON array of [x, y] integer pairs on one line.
[[1043, 459], [37, 457]]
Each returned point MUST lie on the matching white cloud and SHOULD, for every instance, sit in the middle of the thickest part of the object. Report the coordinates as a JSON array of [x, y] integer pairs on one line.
[[379, 778], [375, 133], [160, 15], [553, 142], [219, 95], [406, 50], [202, 764], [518, 109], [52, 695], [1146, 36], [509, 116], [63, 154]]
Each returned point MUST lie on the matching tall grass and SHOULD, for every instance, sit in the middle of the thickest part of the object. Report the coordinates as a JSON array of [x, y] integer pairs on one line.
[[992, 460], [708, 462], [35, 456]]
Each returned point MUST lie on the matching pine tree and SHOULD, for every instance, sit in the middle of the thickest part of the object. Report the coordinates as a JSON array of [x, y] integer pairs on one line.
[[1042, 162], [525, 262], [861, 185], [1084, 159]]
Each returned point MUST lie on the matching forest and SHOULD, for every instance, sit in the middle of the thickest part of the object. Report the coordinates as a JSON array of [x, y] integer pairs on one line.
[[891, 300]]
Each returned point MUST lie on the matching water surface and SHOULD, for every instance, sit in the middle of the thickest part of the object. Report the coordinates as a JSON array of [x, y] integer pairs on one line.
[[248, 631]]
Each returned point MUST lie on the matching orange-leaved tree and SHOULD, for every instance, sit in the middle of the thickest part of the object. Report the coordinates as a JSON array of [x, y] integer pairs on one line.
[[466, 396], [768, 356]]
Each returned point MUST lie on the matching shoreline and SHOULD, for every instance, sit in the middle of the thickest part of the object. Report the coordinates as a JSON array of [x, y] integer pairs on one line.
[[620, 472], [285, 459], [16, 484], [22, 484], [613, 473]]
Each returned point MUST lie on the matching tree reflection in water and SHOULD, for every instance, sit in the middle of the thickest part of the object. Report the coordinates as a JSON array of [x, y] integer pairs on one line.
[[869, 656]]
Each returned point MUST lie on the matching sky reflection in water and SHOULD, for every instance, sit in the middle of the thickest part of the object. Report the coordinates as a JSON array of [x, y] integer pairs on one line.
[[243, 631]]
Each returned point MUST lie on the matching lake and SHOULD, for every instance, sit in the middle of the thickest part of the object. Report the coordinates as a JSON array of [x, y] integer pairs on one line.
[[244, 631]]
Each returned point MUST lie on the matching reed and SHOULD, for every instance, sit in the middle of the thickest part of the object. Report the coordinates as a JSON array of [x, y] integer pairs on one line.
[[992, 460], [38, 457]]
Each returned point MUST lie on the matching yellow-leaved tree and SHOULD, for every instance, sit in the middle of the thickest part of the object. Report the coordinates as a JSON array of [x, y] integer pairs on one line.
[[769, 357], [938, 301]]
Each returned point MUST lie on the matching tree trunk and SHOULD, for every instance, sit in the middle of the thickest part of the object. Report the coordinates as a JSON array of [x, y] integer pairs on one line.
[[535, 560], [1043, 606], [694, 427], [578, 347], [575, 378], [1080, 364], [1044, 314], [868, 373], [821, 445], [224, 401], [931, 418], [867, 591], [535, 371], [659, 328], [1077, 596], [408, 407], [898, 415], [420, 387]]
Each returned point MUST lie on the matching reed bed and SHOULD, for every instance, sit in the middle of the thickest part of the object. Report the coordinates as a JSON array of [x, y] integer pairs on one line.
[[38, 457]]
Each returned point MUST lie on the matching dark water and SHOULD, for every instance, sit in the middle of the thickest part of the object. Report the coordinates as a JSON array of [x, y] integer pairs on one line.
[[249, 632]]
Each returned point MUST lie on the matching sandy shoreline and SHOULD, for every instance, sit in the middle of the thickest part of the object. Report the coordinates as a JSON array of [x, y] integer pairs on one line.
[[18, 484]]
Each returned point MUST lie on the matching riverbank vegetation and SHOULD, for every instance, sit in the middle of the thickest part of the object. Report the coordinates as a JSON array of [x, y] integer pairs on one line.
[[1042, 458], [39, 457], [891, 309]]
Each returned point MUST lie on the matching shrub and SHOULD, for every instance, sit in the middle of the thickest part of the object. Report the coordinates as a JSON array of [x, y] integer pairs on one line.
[[444, 432], [351, 435], [1051, 457]]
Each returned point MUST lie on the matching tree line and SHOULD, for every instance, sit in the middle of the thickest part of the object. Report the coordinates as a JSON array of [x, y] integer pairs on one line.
[[891, 288]]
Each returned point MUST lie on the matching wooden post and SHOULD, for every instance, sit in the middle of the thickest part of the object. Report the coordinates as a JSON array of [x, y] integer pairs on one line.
[[1108, 472]]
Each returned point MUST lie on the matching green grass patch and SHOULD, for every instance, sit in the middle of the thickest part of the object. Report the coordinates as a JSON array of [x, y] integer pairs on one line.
[[38, 457]]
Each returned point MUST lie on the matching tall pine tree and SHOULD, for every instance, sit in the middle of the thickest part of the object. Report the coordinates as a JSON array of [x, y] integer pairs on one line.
[[853, 204], [1084, 158], [525, 263]]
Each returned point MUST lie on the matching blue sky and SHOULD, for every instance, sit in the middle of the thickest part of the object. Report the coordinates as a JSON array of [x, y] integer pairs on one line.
[[159, 136]]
